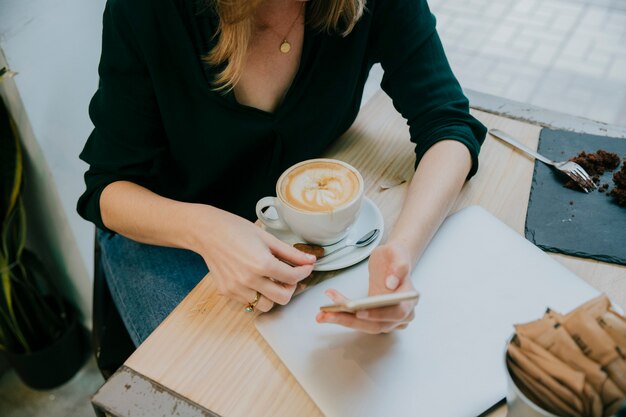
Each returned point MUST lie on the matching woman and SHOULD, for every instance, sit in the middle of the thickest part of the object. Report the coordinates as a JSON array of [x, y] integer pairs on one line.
[[202, 104]]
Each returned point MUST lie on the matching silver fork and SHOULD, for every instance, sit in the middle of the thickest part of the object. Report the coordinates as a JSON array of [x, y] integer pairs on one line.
[[569, 168]]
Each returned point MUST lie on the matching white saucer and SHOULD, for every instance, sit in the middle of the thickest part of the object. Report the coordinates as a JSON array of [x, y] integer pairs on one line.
[[369, 218]]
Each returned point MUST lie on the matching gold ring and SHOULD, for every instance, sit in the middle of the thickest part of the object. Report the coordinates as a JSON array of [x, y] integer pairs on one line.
[[250, 306]]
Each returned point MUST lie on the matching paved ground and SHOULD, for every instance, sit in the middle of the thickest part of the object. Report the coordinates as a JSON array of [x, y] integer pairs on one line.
[[69, 400], [565, 55]]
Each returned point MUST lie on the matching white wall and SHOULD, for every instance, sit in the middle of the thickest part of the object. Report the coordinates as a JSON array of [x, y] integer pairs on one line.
[[54, 45]]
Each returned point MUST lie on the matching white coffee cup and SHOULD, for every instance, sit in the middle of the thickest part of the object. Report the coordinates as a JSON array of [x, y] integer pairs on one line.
[[318, 200]]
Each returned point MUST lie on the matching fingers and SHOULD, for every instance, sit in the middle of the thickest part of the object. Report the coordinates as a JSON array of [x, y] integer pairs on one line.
[[247, 296], [400, 270], [373, 321], [288, 253], [270, 292], [286, 263], [397, 277], [335, 296], [392, 282], [402, 312], [351, 321], [275, 291], [264, 305], [287, 274]]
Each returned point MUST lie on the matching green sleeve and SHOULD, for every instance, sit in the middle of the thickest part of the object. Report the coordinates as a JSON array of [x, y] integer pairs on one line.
[[419, 79], [127, 142]]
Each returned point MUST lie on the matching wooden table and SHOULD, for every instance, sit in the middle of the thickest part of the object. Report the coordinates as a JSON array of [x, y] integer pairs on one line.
[[207, 358]]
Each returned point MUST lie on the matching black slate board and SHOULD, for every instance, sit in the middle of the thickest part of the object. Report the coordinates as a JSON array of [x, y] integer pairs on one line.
[[572, 222]]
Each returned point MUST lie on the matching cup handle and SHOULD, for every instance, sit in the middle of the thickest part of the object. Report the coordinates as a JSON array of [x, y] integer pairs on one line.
[[276, 224]]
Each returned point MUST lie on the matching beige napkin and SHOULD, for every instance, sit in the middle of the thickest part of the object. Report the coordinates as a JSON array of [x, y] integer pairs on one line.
[[597, 345], [573, 364]]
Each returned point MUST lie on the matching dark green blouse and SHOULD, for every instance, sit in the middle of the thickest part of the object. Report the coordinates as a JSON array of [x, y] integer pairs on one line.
[[158, 124]]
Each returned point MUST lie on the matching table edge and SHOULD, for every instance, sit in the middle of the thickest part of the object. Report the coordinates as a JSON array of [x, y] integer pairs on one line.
[[129, 390], [541, 116]]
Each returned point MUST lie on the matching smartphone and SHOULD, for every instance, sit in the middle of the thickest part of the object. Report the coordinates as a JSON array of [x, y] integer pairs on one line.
[[375, 301]]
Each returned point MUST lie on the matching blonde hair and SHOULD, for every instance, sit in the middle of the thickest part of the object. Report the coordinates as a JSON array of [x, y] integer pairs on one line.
[[235, 30]]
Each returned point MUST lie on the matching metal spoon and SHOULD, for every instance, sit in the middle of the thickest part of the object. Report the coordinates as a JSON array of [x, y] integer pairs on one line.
[[368, 238]]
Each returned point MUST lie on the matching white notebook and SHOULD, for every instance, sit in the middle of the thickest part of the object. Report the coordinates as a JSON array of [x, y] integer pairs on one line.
[[477, 278]]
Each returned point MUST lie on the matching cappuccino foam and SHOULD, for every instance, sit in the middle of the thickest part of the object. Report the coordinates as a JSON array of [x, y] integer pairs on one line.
[[319, 186]]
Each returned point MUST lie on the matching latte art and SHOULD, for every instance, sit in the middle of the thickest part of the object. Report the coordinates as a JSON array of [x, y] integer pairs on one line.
[[319, 186], [318, 201]]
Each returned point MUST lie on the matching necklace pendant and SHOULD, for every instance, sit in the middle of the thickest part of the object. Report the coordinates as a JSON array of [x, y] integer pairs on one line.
[[285, 47]]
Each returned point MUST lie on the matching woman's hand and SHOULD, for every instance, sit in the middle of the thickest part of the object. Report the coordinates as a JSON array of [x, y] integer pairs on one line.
[[389, 271], [243, 259]]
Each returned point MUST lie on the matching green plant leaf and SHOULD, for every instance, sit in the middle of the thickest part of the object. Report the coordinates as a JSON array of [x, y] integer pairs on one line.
[[19, 168], [23, 297], [9, 338], [20, 229], [11, 166], [32, 311], [7, 290], [37, 270], [8, 236], [5, 275], [50, 321], [12, 219]]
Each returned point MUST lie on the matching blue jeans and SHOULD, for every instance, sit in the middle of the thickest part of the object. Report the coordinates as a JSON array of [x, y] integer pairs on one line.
[[146, 281]]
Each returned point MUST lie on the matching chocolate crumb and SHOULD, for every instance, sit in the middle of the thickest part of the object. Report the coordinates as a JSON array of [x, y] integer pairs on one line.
[[619, 192], [315, 250], [595, 164]]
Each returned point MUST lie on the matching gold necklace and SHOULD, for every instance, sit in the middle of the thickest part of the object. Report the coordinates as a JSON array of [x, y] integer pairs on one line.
[[285, 46]]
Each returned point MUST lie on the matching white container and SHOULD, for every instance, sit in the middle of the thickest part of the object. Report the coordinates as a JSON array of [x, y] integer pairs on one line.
[[518, 405]]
